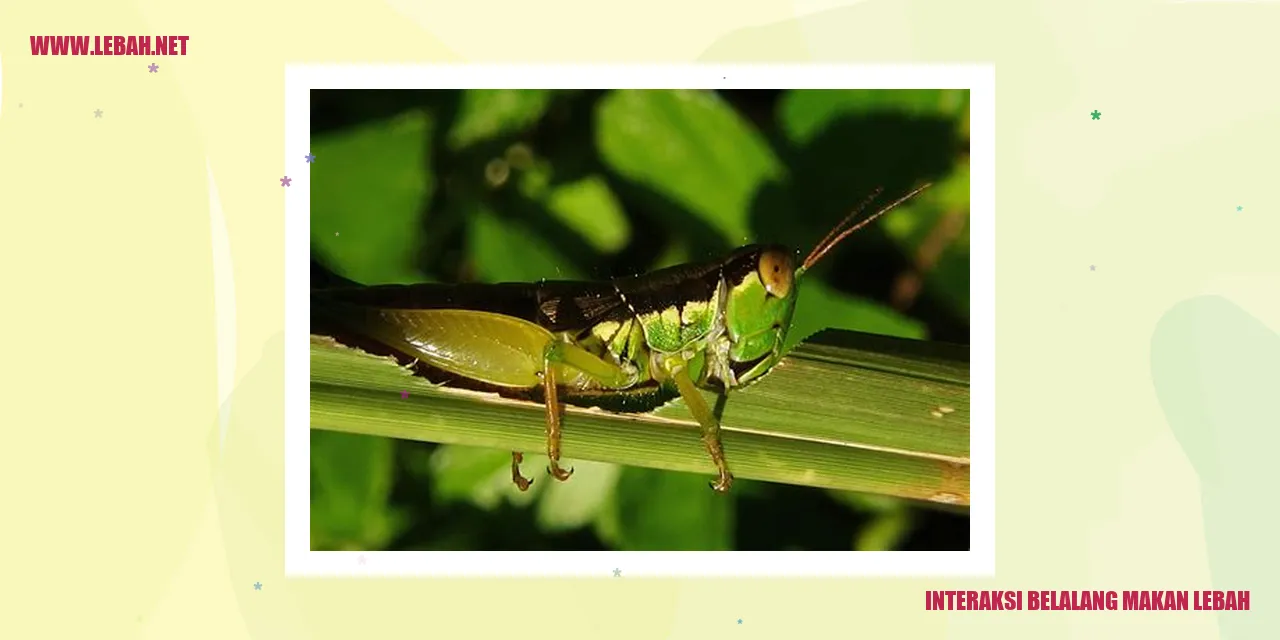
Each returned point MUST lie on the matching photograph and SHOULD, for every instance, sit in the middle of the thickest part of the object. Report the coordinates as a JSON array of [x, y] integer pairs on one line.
[[613, 322], [639, 320]]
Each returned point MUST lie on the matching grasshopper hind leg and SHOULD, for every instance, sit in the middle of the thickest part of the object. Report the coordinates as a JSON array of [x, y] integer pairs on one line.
[[552, 402], [606, 374]]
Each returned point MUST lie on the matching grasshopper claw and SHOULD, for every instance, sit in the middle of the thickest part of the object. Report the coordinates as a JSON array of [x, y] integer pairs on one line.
[[722, 484], [559, 473], [522, 482]]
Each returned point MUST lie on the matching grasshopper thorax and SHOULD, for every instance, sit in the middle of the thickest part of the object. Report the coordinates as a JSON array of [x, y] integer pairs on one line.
[[762, 287]]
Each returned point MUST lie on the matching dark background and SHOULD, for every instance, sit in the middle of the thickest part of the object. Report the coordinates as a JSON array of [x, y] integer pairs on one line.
[[451, 186]]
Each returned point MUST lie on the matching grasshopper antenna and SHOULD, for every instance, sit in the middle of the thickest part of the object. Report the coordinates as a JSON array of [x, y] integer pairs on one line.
[[856, 210], [836, 235]]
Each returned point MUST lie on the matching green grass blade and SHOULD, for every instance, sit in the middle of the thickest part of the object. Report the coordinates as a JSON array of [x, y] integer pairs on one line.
[[844, 410]]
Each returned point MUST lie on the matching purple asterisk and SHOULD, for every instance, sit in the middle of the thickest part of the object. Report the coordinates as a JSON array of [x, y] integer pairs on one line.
[[310, 158], [404, 395], [153, 67], [286, 181]]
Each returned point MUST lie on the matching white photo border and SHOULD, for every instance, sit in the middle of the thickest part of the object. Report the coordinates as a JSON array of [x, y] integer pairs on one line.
[[978, 561]]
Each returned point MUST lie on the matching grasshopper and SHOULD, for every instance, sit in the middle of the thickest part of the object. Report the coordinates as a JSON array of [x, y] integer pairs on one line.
[[626, 344]]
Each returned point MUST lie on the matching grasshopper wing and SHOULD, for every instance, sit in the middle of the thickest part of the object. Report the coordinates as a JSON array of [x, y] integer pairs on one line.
[[492, 348]]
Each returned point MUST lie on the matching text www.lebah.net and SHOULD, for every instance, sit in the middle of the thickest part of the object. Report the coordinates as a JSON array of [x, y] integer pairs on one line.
[[109, 45]]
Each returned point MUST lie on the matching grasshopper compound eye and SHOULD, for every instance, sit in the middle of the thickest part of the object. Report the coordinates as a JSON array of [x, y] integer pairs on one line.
[[777, 272]]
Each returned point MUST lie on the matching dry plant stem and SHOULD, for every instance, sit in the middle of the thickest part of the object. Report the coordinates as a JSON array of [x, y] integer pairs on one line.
[[909, 283], [844, 410]]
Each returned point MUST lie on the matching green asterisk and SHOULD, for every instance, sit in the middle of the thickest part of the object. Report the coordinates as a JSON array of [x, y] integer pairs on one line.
[[1096, 114]]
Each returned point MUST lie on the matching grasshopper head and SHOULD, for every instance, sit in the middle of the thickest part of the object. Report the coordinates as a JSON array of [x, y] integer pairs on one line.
[[762, 281], [761, 298]]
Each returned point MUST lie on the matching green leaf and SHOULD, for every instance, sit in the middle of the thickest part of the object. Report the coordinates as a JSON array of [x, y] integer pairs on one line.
[[368, 186], [589, 207], [951, 278], [691, 147], [843, 145], [804, 114], [844, 410], [910, 223], [488, 113], [866, 501], [351, 479], [821, 307], [508, 250], [661, 511], [573, 504], [886, 532], [479, 476], [919, 221], [675, 252], [892, 519], [457, 470]]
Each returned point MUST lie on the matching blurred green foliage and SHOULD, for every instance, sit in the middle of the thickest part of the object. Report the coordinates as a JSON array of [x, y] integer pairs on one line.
[[496, 185]]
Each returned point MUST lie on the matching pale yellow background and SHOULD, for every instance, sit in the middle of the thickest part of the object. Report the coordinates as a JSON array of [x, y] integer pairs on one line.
[[124, 517]]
